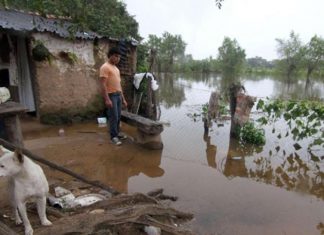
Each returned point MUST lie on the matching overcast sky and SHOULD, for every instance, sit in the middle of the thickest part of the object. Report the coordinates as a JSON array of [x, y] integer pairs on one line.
[[255, 24]]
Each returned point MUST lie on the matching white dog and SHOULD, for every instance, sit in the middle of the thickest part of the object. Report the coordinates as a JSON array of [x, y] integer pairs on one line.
[[26, 181]]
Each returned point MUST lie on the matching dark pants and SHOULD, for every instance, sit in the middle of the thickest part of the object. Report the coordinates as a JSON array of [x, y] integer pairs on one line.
[[114, 114]]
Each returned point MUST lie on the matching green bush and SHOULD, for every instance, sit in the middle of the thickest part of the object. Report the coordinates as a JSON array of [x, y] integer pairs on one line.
[[40, 52], [250, 134]]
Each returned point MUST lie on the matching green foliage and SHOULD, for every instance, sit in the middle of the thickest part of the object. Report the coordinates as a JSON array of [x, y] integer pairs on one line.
[[106, 17], [304, 118], [40, 52], [259, 66], [205, 109], [259, 62], [188, 65], [142, 55], [170, 48], [69, 57], [231, 57], [291, 54], [313, 55], [223, 108], [219, 3], [249, 133]]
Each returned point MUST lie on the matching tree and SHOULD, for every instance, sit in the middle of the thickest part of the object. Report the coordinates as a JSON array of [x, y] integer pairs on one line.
[[258, 62], [219, 3], [169, 48], [105, 17], [291, 53], [314, 55], [231, 57], [154, 43], [173, 49]]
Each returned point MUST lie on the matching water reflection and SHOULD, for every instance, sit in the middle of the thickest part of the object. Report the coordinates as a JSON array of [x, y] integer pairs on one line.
[[210, 151], [293, 172], [235, 160], [89, 153], [298, 90], [121, 169], [277, 163], [170, 93]]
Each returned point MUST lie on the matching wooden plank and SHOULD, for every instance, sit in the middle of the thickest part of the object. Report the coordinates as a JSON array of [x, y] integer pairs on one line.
[[11, 108], [145, 125]]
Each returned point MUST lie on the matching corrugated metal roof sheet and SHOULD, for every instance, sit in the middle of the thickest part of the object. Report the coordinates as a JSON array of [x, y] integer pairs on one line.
[[24, 22]]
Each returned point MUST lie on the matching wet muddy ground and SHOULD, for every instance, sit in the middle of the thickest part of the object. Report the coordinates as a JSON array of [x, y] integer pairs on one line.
[[222, 204]]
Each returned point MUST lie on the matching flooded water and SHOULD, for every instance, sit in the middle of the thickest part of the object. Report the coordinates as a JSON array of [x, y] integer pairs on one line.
[[231, 189]]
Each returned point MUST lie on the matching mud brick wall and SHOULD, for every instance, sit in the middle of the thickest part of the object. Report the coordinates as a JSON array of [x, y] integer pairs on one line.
[[62, 85]]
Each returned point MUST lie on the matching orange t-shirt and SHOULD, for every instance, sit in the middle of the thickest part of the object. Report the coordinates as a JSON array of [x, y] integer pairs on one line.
[[111, 75]]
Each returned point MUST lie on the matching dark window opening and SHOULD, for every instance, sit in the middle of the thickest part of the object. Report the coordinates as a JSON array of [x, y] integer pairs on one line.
[[4, 78], [4, 49]]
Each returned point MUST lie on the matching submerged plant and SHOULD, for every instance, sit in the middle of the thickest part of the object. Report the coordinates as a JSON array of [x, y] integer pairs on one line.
[[249, 133], [304, 118]]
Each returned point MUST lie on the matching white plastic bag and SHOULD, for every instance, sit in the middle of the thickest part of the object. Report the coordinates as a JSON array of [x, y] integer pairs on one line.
[[4, 94]]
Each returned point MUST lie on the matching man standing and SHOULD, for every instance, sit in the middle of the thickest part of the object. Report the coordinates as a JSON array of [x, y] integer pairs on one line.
[[113, 93]]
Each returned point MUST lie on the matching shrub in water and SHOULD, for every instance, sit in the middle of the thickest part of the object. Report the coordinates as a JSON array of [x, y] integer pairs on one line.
[[250, 134]]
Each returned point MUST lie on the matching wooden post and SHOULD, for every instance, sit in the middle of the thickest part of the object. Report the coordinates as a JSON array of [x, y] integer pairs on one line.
[[9, 113], [213, 110], [13, 130], [241, 106], [149, 98]]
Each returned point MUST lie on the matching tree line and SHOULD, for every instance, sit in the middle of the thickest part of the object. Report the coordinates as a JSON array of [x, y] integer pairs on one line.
[[166, 53], [294, 57]]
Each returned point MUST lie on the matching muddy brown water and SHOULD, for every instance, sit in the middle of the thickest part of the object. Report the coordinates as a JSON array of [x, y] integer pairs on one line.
[[230, 189]]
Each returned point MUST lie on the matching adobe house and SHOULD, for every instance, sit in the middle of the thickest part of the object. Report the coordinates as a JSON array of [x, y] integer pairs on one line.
[[54, 72]]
